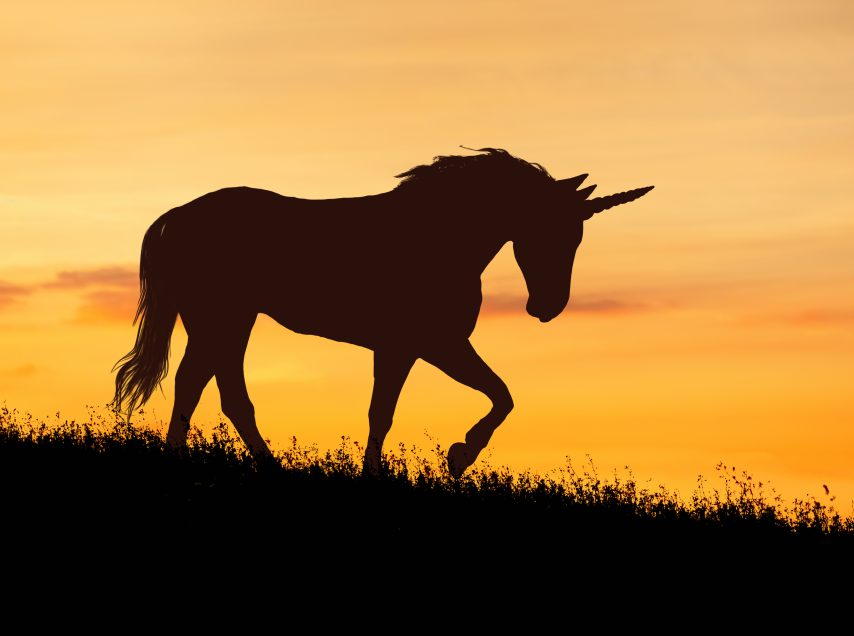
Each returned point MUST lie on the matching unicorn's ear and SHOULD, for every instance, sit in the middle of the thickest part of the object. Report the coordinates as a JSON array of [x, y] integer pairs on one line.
[[571, 184], [585, 192], [599, 204], [570, 189]]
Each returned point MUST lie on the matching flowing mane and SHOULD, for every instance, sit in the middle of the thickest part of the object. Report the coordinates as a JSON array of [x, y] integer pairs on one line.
[[452, 172]]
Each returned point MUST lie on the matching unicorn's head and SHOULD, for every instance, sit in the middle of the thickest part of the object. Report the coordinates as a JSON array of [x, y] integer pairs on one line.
[[546, 242]]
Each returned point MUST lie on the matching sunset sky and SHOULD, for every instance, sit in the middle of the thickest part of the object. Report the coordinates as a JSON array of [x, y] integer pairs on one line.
[[710, 321]]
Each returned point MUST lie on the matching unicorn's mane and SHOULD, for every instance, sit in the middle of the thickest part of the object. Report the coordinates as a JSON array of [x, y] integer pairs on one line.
[[492, 165]]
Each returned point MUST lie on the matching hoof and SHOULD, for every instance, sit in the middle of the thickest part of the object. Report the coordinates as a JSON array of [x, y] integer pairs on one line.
[[460, 457], [371, 465]]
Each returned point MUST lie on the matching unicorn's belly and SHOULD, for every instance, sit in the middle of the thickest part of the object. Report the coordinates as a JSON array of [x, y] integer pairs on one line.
[[377, 319]]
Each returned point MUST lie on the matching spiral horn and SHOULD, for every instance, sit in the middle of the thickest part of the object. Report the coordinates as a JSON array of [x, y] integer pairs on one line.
[[594, 206]]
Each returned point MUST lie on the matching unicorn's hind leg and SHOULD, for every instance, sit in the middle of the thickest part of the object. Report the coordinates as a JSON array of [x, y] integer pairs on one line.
[[228, 369], [461, 362], [194, 373]]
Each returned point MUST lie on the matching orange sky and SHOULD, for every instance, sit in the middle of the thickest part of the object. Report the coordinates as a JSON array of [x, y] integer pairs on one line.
[[710, 321]]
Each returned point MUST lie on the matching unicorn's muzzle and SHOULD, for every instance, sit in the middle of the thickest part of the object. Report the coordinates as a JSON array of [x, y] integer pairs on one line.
[[541, 313]]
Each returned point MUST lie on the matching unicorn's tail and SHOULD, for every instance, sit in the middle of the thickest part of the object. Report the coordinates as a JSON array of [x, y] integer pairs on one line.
[[144, 367]]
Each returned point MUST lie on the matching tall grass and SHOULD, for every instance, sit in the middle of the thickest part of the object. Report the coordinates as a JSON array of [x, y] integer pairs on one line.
[[104, 470]]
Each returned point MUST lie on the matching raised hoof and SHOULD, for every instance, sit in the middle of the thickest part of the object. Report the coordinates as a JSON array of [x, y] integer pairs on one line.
[[460, 457]]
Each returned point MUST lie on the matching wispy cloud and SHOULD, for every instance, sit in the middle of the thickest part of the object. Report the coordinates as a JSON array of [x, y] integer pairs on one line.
[[820, 317], [606, 306], [106, 294], [9, 293], [810, 317], [107, 305], [515, 303], [123, 277], [504, 304], [20, 371]]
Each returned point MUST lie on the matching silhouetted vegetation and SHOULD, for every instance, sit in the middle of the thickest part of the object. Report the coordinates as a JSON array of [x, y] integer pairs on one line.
[[101, 479]]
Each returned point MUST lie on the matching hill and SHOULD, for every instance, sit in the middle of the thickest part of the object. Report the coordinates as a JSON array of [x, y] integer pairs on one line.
[[78, 487]]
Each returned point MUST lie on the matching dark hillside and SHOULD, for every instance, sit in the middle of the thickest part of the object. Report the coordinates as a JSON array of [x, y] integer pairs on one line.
[[83, 486]]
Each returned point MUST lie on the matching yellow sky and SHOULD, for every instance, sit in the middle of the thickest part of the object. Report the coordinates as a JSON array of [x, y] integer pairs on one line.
[[710, 321]]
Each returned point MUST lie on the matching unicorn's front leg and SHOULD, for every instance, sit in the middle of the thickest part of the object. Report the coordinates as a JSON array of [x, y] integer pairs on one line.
[[390, 371], [461, 362]]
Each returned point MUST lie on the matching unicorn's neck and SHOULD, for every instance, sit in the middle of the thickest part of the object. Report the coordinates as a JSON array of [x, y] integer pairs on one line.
[[461, 228]]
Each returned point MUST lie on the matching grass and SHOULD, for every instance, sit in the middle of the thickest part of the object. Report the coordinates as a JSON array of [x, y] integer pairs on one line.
[[104, 479]]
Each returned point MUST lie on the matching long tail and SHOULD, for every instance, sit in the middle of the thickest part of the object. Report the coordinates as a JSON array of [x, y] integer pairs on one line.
[[142, 370]]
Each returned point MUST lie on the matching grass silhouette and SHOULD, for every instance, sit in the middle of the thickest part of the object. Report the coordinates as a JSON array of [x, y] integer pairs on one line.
[[108, 480]]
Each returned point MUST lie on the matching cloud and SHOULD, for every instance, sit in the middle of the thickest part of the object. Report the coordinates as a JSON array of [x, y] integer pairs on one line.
[[123, 277], [821, 317], [504, 303], [515, 303], [605, 306], [107, 305], [10, 293], [814, 317], [20, 371], [106, 294]]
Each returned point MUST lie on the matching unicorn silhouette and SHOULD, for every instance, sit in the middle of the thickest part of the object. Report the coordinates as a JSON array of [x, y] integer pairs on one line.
[[397, 272]]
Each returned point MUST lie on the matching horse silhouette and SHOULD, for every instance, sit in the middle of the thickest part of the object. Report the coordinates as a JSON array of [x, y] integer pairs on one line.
[[397, 272]]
